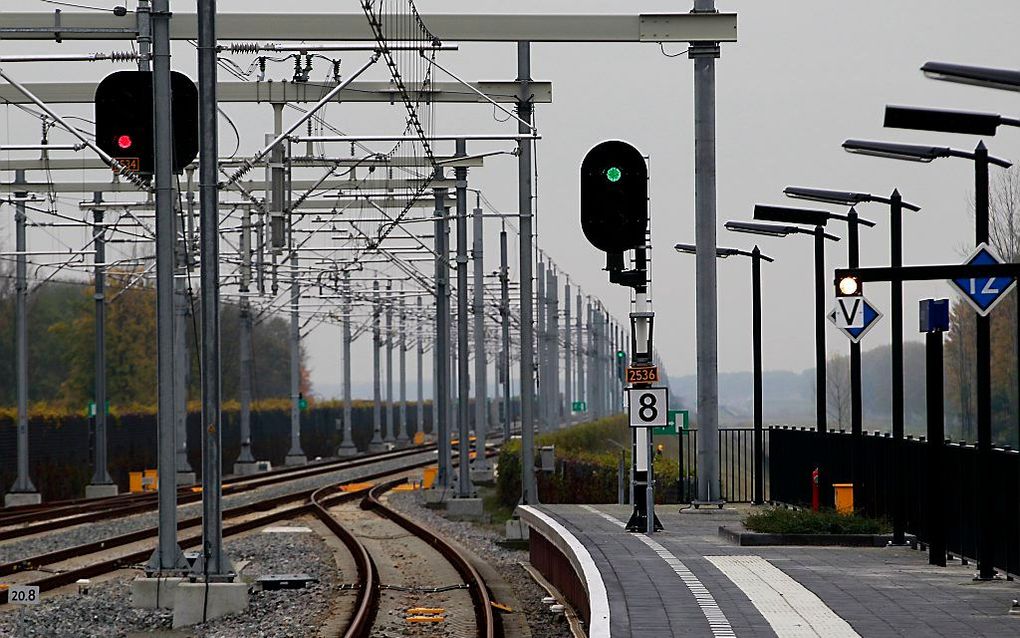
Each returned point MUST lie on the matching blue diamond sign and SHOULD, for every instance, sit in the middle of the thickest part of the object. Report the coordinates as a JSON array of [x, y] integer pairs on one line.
[[870, 313], [983, 293]]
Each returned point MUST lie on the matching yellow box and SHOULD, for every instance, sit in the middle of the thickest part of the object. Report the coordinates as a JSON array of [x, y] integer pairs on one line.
[[428, 478], [150, 480], [134, 482], [844, 497]]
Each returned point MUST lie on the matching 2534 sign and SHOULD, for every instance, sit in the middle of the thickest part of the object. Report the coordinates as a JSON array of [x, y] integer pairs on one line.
[[648, 374]]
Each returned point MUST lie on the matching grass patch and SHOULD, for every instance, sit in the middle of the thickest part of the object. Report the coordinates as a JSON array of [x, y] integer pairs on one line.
[[787, 521]]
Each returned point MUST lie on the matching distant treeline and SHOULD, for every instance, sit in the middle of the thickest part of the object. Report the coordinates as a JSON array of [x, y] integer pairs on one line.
[[61, 347]]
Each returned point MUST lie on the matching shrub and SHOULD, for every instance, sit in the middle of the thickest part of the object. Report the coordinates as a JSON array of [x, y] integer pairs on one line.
[[789, 521]]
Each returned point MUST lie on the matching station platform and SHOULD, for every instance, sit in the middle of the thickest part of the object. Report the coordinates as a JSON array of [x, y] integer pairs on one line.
[[687, 581]]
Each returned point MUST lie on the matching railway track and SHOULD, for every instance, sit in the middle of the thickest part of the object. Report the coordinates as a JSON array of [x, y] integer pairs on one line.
[[431, 554], [65, 566], [399, 561], [35, 519]]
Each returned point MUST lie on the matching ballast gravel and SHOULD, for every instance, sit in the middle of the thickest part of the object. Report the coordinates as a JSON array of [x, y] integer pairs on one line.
[[483, 541], [19, 549], [106, 612]]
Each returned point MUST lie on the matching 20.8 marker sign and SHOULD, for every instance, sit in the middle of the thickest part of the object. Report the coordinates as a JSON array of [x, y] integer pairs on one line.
[[648, 407]]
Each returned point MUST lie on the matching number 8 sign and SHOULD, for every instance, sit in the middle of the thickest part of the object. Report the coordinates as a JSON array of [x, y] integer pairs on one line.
[[648, 407]]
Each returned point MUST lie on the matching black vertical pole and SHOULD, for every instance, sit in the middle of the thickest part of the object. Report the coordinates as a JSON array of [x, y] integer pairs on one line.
[[986, 496], [856, 408], [759, 451], [896, 317], [936, 443], [820, 328]]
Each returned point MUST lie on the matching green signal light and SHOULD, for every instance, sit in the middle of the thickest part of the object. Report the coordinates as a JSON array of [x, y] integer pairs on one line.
[[620, 354], [613, 174]]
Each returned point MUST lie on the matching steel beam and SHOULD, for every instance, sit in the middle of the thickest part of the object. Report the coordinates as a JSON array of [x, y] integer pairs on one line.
[[334, 27]]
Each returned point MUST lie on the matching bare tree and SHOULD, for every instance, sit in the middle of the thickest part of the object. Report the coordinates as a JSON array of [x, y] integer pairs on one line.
[[837, 391]]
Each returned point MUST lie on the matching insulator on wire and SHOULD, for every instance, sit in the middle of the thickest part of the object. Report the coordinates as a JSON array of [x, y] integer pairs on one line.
[[247, 47], [123, 56]]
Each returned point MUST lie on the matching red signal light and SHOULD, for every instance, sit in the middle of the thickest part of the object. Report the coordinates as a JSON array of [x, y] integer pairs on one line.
[[124, 142]]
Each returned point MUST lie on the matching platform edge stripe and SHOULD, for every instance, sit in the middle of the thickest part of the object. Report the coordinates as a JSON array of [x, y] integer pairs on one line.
[[781, 599], [718, 623], [584, 565]]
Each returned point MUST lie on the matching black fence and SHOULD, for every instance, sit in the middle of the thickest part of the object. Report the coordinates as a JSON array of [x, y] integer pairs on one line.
[[795, 453], [736, 464], [60, 448]]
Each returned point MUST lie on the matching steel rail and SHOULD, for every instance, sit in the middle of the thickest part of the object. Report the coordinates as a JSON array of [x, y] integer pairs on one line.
[[125, 505], [484, 618]]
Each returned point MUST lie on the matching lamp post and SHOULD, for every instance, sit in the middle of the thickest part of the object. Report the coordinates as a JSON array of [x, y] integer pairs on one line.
[[1003, 79], [981, 159], [817, 218], [896, 206], [819, 234], [758, 452]]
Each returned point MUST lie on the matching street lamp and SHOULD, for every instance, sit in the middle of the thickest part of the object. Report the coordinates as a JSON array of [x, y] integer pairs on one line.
[[776, 230], [946, 121], [896, 206], [818, 218], [981, 159], [758, 442], [1005, 79]]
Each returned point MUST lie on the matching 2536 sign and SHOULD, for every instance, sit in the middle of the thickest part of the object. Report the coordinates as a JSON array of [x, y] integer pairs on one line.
[[649, 374]]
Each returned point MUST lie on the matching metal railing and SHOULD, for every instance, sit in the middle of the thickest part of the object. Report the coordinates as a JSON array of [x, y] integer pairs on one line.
[[736, 464]]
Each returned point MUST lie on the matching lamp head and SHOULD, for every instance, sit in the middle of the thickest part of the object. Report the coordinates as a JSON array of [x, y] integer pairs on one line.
[[1005, 79]]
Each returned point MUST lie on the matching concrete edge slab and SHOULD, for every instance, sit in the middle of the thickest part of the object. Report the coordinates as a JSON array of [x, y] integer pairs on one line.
[[758, 539], [581, 560]]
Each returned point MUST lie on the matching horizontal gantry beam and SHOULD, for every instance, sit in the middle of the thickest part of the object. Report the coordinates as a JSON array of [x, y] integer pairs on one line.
[[351, 186], [297, 92], [335, 27], [94, 163]]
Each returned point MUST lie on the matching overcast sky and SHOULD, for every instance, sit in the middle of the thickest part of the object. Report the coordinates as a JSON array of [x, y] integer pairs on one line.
[[804, 76]]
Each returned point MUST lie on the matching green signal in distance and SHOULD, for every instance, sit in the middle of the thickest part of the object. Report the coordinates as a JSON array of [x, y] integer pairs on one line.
[[613, 174]]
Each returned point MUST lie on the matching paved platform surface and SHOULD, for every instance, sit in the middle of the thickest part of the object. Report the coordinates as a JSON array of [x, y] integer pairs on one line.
[[686, 581]]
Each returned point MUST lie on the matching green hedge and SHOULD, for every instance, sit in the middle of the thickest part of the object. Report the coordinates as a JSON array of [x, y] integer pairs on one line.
[[587, 462], [788, 521]]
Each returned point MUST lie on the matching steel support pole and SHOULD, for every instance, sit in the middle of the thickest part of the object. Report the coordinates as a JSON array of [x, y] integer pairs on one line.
[[182, 350], [529, 491], [856, 401], [402, 384], [296, 455], [168, 557], [759, 436], [388, 340], [820, 389], [568, 357], [23, 482], [464, 487], [704, 55], [441, 351], [377, 440], [504, 315], [214, 564], [420, 416], [347, 447], [987, 491], [934, 401], [899, 505], [100, 474], [540, 380], [581, 393], [553, 357], [481, 363], [245, 460]]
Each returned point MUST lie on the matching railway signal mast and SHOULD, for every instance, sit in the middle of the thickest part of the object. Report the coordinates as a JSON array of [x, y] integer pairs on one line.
[[614, 218]]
